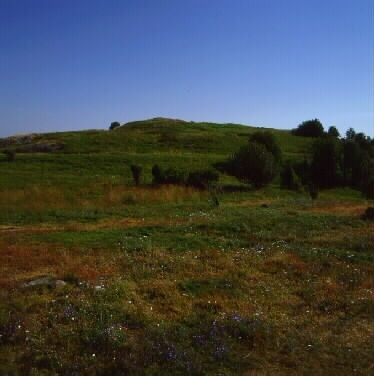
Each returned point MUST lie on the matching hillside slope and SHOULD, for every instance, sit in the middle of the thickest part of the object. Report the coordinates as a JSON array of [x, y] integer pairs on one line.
[[100, 156], [164, 135]]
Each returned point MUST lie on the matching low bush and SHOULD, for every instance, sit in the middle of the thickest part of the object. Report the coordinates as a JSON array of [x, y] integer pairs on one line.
[[289, 179], [167, 176], [10, 155], [202, 179], [136, 173], [369, 214]]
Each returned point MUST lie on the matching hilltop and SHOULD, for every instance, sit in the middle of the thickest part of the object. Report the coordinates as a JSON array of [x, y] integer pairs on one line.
[[162, 135]]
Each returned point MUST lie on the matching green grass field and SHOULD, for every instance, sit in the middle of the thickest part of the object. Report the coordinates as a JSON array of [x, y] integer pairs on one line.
[[161, 280]]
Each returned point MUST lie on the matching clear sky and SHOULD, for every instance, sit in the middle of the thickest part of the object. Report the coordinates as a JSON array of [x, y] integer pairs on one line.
[[81, 64]]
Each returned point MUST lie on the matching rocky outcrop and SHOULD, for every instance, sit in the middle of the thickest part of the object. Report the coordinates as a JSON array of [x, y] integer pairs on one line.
[[31, 143], [45, 281]]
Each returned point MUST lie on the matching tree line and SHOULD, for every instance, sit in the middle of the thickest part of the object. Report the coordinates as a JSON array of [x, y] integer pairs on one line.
[[335, 162]]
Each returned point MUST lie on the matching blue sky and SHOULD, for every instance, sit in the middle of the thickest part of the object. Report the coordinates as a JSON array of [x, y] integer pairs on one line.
[[72, 65]]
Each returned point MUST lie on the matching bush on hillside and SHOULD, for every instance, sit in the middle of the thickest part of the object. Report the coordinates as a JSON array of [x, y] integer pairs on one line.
[[252, 164], [333, 132], [114, 125], [309, 128], [303, 171], [267, 139], [167, 176], [369, 214], [313, 192], [325, 169], [136, 173], [10, 155], [202, 179], [289, 179]]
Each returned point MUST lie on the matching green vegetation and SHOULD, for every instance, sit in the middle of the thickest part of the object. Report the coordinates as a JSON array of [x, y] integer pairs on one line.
[[256, 163], [102, 276], [114, 125], [310, 128]]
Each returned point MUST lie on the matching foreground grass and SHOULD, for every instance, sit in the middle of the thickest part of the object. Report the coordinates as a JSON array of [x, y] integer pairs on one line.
[[160, 281]]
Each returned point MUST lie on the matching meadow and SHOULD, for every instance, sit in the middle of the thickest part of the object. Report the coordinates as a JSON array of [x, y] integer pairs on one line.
[[102, 277]]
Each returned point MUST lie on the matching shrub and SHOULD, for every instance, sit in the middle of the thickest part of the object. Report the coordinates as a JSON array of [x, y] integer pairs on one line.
[[313, 192], [303, 171], [309, 128], [167, 176], [325, 170], [252, 164], [10, 155], [267, 139], [157, 174], [136, 173], [202, 179], [114, 125], [369, 213], [289, 179], [333, 132]]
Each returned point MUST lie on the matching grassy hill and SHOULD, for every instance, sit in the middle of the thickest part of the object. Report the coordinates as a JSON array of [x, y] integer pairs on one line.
[[99, 154], [170, 135], [100, 277]]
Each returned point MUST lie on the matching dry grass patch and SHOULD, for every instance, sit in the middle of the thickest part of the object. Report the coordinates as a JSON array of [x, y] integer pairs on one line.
[[166, 193], [338, 208], [36, 198]]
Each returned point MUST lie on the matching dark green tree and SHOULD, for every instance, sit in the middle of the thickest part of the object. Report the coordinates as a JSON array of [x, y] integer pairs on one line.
[[10, 155], [289, 179], [350, 134], [136, 173], [366, 175], [167, 176], [309, 128], [333, 132], [157, 174], [363, 141], [303, 171], [325, 163], [114, 125], [252, 164], [202, 179], [357, 161], [313, 192], [267, 139], [350, 160]]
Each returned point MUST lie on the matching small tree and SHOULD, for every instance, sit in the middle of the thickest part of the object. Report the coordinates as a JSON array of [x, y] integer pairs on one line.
[[350, 134], [202, 179], [309, 128], [114, 125], [167, 176], [289, 179], [157, 174], [303, 171], [369, 214], [313, 192], [333, 132], [10, 155], [267, 139], [136, 173], [325, 163], [252, 164]]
